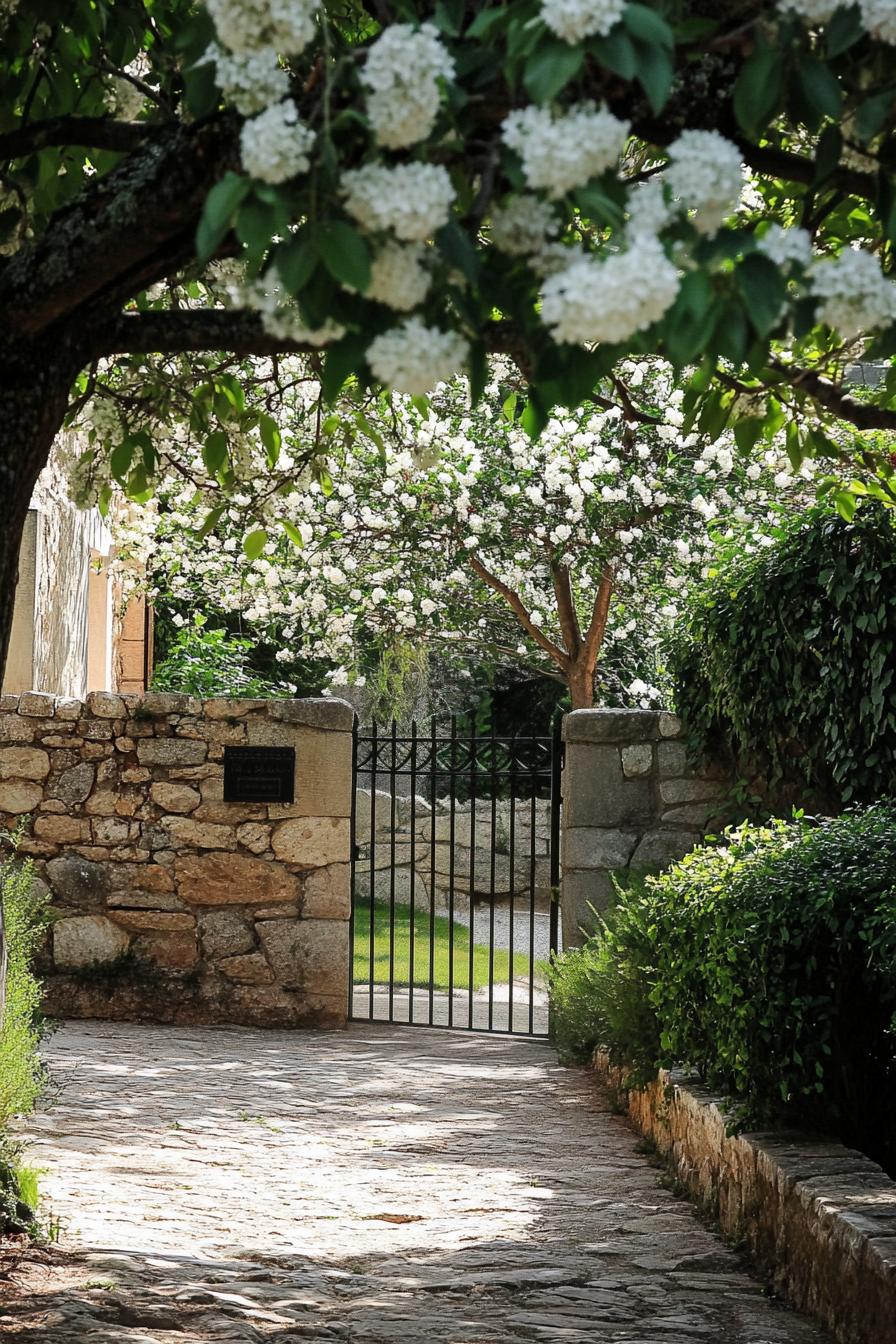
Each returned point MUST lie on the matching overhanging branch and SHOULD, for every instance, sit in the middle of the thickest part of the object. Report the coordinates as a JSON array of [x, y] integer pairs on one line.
[[90, 132]]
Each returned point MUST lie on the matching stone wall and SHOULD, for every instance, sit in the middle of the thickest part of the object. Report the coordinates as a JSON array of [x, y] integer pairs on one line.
[[168, 903], [414, 866], [630, 801]]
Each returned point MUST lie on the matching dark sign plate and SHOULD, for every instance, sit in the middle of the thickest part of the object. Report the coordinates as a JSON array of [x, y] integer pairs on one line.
[[259, 774]]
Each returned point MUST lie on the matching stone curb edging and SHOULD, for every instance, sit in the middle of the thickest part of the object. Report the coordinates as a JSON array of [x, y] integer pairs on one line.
[[818, 1218]]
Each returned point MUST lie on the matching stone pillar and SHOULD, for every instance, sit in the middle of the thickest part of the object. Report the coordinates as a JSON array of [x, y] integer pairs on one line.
[[630, 802]]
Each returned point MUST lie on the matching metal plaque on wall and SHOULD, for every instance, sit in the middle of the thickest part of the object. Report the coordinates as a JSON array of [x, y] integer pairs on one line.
[[259, 774]]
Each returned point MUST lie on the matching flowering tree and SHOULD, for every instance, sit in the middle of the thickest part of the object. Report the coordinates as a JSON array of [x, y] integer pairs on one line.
[[411, 188], [431, 520]]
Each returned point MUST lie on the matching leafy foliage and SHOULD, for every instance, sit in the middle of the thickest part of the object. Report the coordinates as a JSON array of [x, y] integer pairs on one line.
[[768, 963], [212, 662], [785, 659]]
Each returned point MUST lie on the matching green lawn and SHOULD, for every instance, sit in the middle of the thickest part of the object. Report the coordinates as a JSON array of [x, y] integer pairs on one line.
[[440, 976]]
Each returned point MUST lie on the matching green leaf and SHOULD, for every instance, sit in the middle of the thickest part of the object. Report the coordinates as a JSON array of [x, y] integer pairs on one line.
[[759, 88], [764, 291], [120, 459], [345, 254], [254, 543], [872, 115], [820, 87], [458, 251], [295, 260], [343, 358], [748, 432], [535, 414], [648, 26], [655, 74], [270, 438], [486, 20], [214, 451], [845, 503], [220, 207], [551, 67], [842, 30], [617, 52], [212, 518], [292, 532], [478, 371]]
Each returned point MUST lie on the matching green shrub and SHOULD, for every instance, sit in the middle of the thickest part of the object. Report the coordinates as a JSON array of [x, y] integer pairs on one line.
[[784, 661], [212, 662], [767, 963], [24, 911]]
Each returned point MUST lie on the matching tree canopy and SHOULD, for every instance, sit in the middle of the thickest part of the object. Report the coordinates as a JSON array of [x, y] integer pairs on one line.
[[407, 189]]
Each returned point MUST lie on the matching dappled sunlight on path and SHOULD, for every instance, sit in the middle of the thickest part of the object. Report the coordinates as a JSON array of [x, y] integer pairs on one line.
[[381, 1184]]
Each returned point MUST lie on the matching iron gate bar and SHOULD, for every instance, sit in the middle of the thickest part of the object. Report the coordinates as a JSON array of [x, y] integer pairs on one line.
[[487, 762]]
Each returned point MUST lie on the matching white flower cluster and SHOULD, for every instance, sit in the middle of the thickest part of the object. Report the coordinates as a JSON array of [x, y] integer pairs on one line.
[[574, 20], [878, 16], [522, 225], [280, 316], [854, 295], [413, 358], [563, 151], [275, 145], [251, 80], [402, 73], [704, 173], [249, 25], [411, 200], [398, 276], [879, 19], [648, 211], [786, 247], [609, 300]]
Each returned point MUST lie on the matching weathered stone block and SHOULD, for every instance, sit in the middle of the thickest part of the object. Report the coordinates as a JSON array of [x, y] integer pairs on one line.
[[112, 831], [310, 954], [67, 708], [102, 803], [695, 814], [125, 745], [23, 763], [175, 948], [175, 797], [170, 751], [137, 775], [254, 836], [611, 725], [78, 882], [154, 919], [583, 893], [637, 760], [247, 969], [587, 847], [105, 705], [597, 793], [85, 939], [36, 705], [670, 725], [15, 729], [689, 790], [312, 842], [230, 814], [225, 933], [407, 885], [659, 849], [323, 782], [324, 712], [61, 830], [233, 879], [18, 796], [672, 759], [326, 892], [169, 702], [183, 831], [74, 785], [223, 707]]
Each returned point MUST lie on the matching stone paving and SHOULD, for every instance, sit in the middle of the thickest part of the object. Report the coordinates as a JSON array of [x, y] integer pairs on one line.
[[377, 1185]]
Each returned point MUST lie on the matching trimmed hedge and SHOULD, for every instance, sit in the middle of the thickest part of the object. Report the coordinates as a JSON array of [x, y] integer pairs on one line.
[[768, 964], [784, 661]]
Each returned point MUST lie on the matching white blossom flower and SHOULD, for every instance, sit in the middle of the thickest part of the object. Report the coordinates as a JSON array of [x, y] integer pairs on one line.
[[412, 200], [574, 20], [398, 276], [879, 18], [412, 358], [786, 247], [563, 151], [402, 73], [854, 294], [247, 25], [704, 173], [647, 209], [251, 81], [522, 225], [275, 145], [427, 606], [609, 300]]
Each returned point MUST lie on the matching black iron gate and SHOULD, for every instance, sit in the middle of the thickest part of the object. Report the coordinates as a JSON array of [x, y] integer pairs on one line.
[[455, 877]]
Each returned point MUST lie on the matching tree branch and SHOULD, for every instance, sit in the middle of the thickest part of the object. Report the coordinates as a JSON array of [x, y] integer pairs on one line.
[[862, 414], [566, 610], [122, 137], [595, 633], [518, 608]]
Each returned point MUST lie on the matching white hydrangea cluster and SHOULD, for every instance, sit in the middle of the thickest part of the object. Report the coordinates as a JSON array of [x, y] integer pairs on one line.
[[275, 145], [609, 300], [704, 173], [574, 20], [413, 358], [522, 226], [280, 315], [648, 211], [854, 295], [786, 247], [398, 276], [564, 150], [879, 19], [250, 81], [411, 200], [401, 74], [249, 25]]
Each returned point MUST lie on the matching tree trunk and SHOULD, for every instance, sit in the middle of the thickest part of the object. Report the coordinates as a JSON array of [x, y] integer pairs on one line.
[[581, 684]]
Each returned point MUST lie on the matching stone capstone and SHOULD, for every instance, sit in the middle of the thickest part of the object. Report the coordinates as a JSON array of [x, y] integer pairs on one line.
[[233, 879], [105, 705], [85, 939], [36, 705]]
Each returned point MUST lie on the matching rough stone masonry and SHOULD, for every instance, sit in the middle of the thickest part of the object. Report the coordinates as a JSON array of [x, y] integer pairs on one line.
[[169, 904]]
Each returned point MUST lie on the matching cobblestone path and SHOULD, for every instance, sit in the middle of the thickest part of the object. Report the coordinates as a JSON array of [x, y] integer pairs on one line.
[[382, 1184]]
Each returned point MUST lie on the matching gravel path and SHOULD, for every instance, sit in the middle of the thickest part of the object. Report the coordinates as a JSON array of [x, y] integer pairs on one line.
[[381, 1184]]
